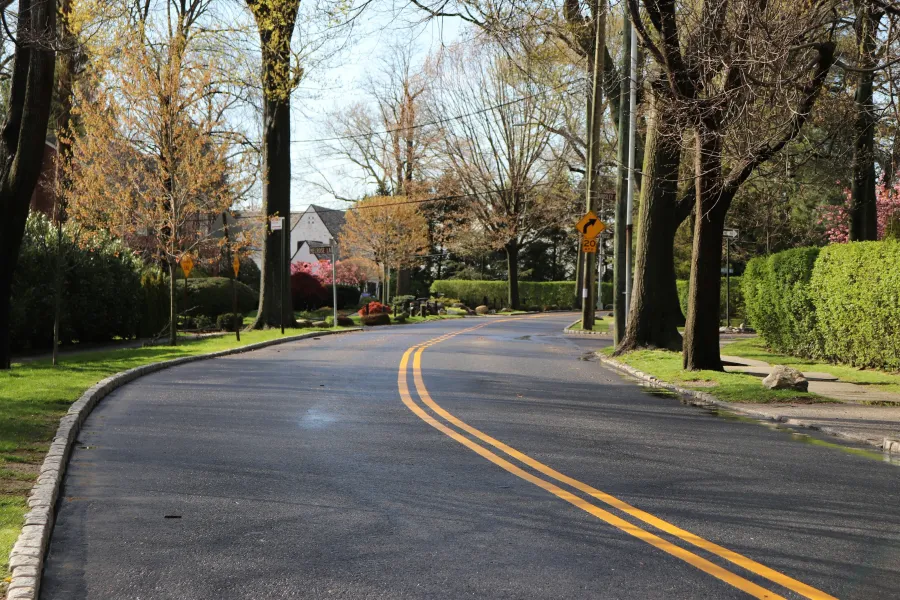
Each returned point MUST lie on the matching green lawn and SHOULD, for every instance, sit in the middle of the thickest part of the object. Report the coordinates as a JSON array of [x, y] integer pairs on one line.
[[755, 348], [601, 324], [731, 387], [35, 395]]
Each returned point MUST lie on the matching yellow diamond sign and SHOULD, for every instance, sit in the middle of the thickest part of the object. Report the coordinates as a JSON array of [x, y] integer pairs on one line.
[[590, 226], [187, 264]]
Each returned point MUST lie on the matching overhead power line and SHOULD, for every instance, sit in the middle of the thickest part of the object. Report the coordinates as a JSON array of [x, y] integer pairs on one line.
[[443, 120]]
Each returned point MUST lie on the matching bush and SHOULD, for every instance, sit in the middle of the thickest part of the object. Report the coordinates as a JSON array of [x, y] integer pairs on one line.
[[345, 321], [855, 293], [376, 319], [347, 296], [738, 310], [101, 288], [531, 293], [307, 293], [229, 321], [155, 302], [374, 308], [778, 301], [212, 296]]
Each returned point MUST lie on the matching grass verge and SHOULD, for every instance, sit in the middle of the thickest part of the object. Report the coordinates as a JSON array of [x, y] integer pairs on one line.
[[730, 387], [35, 395], [755, 348], [601, 324]]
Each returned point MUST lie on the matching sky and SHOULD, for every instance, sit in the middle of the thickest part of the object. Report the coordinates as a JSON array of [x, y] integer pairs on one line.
[[341, 83]]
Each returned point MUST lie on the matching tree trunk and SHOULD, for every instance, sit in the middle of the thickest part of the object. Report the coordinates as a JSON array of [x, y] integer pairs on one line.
[[512, 262], [863, 217], [655, 310], [701, 332], [173, 312], [276, 197], [22, 141]]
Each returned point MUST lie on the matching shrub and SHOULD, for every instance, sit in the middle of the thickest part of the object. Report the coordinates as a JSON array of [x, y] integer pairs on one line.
[[347, 296], [855, 293], [345, 321], [101, 287], [155, 302], [738, 310], [212, 296], [307, 293], [376, 319], [531, 293], [778, 301], [229, 321], [374, 308]]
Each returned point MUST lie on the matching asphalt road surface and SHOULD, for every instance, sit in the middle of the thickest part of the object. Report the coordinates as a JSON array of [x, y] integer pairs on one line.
[[472, 458]]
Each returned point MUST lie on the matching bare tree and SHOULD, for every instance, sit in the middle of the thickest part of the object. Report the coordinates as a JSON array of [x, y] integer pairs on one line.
[[744, 79], [500, 152]]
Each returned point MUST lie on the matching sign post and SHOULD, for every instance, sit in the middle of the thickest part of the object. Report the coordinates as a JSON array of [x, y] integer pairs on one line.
[[334, 251], [236, 265], [187, 265], [589, 226], [729, 235], [277, 224]]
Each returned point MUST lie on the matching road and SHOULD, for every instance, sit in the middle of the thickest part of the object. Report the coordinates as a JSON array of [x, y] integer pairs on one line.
[[472, 458]]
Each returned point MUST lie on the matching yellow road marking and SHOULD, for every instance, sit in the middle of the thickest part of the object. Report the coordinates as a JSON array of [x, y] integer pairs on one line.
[[693, 559]]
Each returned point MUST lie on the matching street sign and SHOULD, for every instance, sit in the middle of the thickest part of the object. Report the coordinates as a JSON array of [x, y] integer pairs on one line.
[[275, 224], [588, 245], [236, 265], [187, 264], [321, 251], [731, 234], [590, 225]]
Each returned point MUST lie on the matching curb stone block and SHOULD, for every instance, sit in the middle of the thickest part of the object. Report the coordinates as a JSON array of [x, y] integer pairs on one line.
[[26, 560]]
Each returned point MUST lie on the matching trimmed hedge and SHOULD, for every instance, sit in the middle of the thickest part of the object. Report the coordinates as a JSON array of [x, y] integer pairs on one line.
[[738, 310], [840, 303], [473, 292], [779, 303], [855, 289], [212, 297]]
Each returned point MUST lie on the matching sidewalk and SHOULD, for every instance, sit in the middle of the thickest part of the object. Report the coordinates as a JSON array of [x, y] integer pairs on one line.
[[860, 414]]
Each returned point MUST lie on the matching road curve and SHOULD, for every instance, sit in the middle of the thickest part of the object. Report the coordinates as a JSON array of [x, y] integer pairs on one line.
[[320, 469]]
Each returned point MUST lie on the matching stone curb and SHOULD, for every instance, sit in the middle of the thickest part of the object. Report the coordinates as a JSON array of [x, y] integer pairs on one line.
[[703, 399], [26, 560], [568, 331]]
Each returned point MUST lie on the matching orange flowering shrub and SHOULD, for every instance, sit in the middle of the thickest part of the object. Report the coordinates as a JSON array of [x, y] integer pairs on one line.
[[374, 308]]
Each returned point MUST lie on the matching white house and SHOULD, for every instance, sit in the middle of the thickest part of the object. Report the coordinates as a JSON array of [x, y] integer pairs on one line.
[[315, 226]]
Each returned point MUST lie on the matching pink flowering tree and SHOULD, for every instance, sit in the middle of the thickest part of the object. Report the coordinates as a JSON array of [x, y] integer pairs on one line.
[[349, 272], [836, 218]]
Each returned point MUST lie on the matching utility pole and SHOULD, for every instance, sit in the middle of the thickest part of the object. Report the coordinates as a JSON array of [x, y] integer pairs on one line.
[[592, 190], [622, 185], [632, 125]]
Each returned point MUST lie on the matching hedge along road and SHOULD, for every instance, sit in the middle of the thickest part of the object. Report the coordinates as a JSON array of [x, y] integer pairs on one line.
[[300, 471]]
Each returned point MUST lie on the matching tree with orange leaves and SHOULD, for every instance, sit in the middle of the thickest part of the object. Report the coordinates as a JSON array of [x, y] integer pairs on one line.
[[387, 229], [151, 161]]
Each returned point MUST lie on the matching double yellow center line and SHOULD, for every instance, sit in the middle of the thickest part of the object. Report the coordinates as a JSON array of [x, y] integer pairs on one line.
[[455, 428]]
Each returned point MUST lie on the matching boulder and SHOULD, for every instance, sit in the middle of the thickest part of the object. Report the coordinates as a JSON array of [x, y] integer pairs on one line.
[[481, 310], [786, 378], [303, 323], [321, 324]]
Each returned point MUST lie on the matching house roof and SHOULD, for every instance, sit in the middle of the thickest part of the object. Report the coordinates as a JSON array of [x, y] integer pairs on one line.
[[332, 218]]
